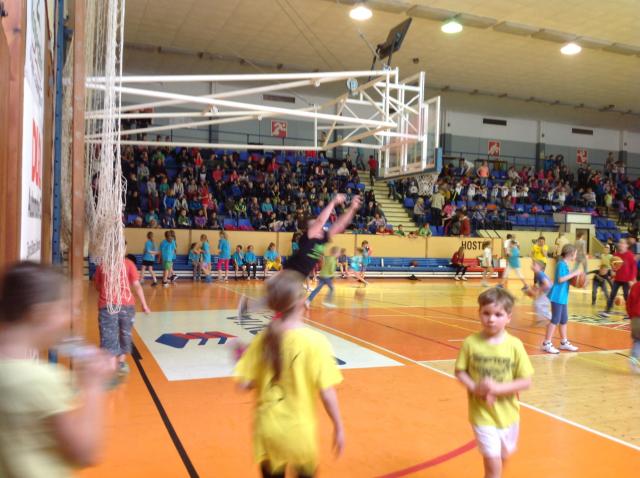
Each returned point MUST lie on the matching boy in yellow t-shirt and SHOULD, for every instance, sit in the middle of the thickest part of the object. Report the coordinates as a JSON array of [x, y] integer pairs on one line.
[[289, 366], [539, 252], [494, 366]]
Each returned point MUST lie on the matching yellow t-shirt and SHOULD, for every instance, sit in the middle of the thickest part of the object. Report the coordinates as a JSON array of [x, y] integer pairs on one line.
[[503, 362], [285, 418], [539, 253], [30, 394]]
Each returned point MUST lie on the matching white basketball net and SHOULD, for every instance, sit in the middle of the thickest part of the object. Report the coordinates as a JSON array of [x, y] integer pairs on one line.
[[104, 185], [426, 183]]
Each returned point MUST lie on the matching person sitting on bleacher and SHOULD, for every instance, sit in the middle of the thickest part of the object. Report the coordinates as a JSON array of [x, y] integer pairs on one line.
[[425, 230], [184, 221], [213, 222], [377, 223], [168, 220]]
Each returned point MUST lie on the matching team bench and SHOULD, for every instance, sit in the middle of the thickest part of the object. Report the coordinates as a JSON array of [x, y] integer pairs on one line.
[[378, 267]]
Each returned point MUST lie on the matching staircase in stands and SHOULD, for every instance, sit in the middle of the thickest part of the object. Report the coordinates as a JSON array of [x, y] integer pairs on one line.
[[393, 210]]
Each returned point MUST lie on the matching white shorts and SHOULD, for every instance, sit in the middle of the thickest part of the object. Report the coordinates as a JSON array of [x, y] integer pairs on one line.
[[542, 306], [496, 442]]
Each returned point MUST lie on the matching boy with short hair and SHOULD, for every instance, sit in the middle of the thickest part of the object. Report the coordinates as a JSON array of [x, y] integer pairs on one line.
[[540, 250], [167, 251], [494, 366], [559, 297], [238, 262], [251, 261]]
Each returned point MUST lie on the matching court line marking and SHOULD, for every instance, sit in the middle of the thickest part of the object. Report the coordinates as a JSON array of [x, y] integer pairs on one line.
[[524, 404], [509, 327], [432, 462], [164, 416]]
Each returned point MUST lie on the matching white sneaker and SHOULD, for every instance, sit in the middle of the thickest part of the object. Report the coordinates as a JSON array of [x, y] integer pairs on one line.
[[549, 348], [456, 278], [463, 278], [566, 345], [329, 304]]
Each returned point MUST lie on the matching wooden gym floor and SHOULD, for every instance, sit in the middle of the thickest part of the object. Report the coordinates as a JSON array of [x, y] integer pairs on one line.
[[179, 414]]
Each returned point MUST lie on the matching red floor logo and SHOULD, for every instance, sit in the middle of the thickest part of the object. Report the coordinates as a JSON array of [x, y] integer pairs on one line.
[[179, 340]]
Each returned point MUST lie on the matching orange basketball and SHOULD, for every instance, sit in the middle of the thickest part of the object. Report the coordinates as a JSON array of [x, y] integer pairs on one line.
[[616, 263], [619, 300], [579, 281]]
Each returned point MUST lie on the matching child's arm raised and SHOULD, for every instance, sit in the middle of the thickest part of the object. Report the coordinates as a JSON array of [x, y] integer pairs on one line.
[[345, 219], [330, 402], [315, 229]]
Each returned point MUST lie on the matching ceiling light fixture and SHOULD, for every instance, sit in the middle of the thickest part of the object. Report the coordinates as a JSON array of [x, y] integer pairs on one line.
[[571, 49], [360, 12], [451, 26]]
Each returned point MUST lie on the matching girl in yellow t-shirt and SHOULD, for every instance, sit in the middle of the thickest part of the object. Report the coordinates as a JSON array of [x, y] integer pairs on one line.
[[289, 365]]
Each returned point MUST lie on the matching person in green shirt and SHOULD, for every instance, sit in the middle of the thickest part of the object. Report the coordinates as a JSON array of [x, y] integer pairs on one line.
[[425, 231], [329, 264], [399, 231]]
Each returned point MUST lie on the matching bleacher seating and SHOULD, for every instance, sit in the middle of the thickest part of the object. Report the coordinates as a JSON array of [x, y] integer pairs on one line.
[[607, 229]]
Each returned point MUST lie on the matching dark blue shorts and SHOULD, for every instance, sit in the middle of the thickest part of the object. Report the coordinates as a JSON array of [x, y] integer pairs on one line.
[[559, 313]]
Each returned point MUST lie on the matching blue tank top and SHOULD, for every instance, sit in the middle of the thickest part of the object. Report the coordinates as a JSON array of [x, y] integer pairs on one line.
[[225, 249], [206, 253], [514, 258], [149, 247]]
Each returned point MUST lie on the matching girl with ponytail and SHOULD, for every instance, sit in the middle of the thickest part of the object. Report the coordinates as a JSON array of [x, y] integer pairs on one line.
[[289, 365]]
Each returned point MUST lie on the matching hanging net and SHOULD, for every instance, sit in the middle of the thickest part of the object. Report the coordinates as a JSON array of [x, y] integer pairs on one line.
[[105, 188]]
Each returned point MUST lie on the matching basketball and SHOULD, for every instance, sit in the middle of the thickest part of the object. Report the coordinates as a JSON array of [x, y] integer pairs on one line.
[[619, 301], [579, 280], [616, 263]]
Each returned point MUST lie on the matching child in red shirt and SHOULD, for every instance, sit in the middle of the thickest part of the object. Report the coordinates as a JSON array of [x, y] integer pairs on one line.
[[633, 309], [457, 261], [625, 275]]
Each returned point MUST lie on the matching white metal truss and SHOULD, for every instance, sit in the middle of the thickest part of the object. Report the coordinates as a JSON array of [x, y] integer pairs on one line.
[[378, 112]]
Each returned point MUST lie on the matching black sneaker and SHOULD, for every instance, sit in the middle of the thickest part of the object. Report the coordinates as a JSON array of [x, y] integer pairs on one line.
[[154, 283], [173, 278]]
